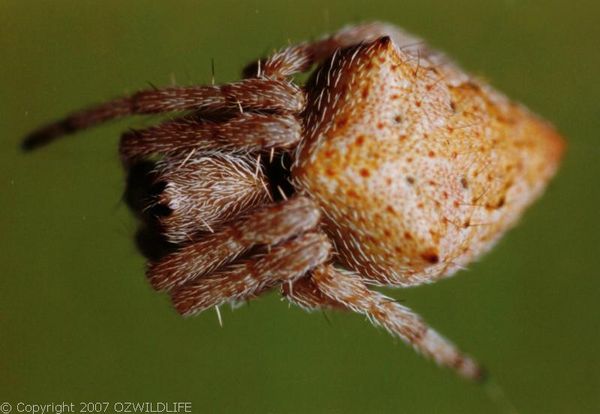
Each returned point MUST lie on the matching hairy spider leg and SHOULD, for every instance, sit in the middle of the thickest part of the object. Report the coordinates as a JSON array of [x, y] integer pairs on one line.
[[247, 131], [266, 225], [201, 191], [331, 287], [250, 277], [301, 57], [248, 94]]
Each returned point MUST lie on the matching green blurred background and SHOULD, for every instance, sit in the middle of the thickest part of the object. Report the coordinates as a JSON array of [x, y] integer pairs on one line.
[[78, 322]]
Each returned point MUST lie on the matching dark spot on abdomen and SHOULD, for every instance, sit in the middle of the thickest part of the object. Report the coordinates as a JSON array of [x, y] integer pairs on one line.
[[431, 256]]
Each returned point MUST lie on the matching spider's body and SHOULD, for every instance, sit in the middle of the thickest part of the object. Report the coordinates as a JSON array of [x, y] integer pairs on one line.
[[403, 169], [417, 170]]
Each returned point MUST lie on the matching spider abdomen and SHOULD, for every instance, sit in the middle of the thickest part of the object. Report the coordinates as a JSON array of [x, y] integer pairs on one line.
[[418, 169]]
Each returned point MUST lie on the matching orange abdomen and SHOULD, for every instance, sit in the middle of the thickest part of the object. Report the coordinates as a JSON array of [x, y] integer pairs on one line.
[[418, 168]]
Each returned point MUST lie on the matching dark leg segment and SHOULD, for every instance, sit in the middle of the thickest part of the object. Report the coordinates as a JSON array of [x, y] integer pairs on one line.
[[249, 278], [264, 226]]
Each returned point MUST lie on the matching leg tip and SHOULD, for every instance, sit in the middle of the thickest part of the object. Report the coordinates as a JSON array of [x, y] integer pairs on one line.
[[45, 135], [31, 142]]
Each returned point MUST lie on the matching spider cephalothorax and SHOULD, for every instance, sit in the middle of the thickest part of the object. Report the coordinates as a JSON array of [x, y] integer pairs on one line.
[[390, 167]]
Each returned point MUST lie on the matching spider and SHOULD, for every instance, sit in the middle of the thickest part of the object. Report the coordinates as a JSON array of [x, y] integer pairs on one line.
[[389, 167]]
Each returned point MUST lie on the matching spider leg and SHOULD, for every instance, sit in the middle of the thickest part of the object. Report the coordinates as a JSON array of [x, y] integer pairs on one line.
[[247, 131], [300, 58], [330, 287], [306, 294], [202, 191], [249, 278], [248, 94], [267, 225]]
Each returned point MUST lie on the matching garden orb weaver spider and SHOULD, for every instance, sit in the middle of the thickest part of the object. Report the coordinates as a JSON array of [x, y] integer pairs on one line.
[[390, 167]]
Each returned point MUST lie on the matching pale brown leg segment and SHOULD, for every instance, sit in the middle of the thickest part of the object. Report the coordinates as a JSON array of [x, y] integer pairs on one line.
[[245, 132], [203, 191], [266, 225], [330, 287], [249, 278]]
